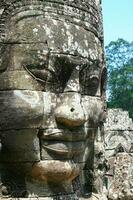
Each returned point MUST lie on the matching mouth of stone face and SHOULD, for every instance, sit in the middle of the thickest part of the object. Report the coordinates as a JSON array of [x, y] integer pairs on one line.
[[63, 142], [63, 135], [64, 148]]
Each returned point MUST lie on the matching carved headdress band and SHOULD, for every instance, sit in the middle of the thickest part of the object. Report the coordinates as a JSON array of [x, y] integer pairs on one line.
[[84, 13], [82, 4]]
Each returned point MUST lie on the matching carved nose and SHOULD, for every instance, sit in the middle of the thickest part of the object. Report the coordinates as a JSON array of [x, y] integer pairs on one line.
[[70, 112]]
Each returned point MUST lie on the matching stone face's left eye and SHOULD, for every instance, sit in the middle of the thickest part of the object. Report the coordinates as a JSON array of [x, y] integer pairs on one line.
[[89, 81], [92, 84]]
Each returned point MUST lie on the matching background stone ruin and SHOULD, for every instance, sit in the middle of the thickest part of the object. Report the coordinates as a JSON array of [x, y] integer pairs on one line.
[[119, 153]]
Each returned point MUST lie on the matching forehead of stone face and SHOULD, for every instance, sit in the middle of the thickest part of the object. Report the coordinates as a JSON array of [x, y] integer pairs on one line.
[[60, 36]]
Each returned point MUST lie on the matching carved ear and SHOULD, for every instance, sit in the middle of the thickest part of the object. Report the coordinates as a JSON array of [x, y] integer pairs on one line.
[[103, 81]]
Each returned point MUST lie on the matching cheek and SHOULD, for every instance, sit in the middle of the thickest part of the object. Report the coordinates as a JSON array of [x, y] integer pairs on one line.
[[94, 110], [20, 109], [97, 111]]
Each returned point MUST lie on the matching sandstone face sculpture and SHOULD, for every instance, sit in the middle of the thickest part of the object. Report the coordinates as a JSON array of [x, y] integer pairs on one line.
[[52, 99]]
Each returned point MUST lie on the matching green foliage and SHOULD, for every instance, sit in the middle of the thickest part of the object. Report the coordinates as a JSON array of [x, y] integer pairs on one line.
[[119, 56]]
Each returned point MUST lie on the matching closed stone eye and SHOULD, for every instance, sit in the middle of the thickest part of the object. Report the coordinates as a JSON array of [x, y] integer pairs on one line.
[[37, 71], [91, 85]]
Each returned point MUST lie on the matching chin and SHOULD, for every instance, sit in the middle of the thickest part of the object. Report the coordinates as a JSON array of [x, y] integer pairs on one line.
[[55, 171]]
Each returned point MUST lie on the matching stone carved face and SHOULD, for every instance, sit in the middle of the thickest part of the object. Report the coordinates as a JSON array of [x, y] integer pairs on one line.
[[51, 89]]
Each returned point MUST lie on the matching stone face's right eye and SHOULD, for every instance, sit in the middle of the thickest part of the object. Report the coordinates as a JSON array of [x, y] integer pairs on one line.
[[59, 70], [37, 71], [92, 85], [35, 62]]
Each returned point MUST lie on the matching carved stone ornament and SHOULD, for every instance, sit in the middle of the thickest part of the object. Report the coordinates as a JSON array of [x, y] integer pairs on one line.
[[52, 99]]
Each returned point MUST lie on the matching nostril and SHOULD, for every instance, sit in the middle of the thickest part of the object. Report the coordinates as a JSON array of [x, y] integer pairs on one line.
[[72, 109]]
